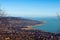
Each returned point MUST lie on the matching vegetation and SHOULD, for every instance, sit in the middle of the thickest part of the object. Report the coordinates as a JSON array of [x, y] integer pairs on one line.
[[2, 13]]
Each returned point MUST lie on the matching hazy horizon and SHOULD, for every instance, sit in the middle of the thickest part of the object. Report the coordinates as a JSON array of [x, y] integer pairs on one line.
[[31, 8]]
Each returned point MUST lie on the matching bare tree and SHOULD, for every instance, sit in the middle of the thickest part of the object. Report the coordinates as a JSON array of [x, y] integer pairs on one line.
[[2, 13]]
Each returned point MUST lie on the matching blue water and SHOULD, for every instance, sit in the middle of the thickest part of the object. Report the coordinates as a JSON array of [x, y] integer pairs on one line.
[[52, 24]]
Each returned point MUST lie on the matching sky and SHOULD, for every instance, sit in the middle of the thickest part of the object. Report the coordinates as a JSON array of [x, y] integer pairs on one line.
[[30, 8]]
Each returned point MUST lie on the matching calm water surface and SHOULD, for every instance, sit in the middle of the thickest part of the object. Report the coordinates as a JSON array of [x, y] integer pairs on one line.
[[52, 24]]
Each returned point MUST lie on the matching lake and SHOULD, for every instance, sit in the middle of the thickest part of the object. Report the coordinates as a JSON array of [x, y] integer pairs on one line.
[[52, 24]]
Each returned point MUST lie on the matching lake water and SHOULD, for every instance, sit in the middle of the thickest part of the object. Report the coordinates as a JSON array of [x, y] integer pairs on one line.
[[52, 24]]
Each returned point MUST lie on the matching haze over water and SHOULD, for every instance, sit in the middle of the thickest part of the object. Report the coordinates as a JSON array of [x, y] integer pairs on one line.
[[52, 24], [35, 8]]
